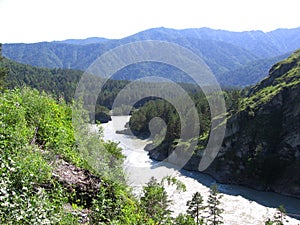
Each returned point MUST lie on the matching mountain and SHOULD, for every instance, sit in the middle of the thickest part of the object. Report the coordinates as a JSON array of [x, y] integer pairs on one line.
[[261, 148], [54, 55], [221, 57], [251, 72], [91, 40], [228, 54], [259, 43]]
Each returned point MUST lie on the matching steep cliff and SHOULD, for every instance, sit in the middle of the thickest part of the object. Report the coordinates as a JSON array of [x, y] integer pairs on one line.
[[261, 148]]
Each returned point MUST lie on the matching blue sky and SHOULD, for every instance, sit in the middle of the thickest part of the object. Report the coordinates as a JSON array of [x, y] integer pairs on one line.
[[47, 20]]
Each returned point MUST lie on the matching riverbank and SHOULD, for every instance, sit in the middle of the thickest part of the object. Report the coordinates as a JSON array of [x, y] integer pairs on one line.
[[242, 205]]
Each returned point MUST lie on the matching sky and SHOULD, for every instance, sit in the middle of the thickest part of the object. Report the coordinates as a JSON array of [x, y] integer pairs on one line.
[[29, 21]]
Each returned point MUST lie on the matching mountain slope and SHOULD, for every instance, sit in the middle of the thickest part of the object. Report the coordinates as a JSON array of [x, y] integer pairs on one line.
[[262, 144], [230, 55], [251, 73], [285, 39], [55, 55], [261, 44], [221, 57], [58, 82]]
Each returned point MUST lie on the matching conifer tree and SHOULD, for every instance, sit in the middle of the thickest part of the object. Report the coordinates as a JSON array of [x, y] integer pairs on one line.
[[213, 206], [195, 206], [155, 201]]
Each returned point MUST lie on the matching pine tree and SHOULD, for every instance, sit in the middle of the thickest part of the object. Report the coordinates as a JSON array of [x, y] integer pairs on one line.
[[195, 206], [155, 201], [213, 206]]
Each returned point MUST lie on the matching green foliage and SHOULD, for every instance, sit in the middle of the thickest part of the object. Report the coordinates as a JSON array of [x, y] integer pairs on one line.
[[284, 74], [25, 171], [34, 130], [155, 201], [169, 138], [166, 140], [195, 206], [213, 206], [104, 158], [233, 100], [114, 205], [180, 186], [183, 219], [159, 108], [60, 83]]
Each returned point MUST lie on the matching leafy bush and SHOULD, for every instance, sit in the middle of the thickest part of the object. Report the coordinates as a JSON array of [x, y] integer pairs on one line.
[[35, 130], [28, 193]]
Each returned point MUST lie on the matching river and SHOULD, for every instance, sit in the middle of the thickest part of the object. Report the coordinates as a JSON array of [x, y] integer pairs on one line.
[[241, 205]]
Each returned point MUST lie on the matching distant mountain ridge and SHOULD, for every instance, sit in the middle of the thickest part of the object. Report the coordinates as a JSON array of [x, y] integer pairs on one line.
[[259, 43], [86, 41], [270, 43], [227, 53]]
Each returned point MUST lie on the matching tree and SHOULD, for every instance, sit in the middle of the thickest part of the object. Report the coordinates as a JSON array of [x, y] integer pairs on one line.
[[213, 206], [195, 206], [3, 71], [155, 201]]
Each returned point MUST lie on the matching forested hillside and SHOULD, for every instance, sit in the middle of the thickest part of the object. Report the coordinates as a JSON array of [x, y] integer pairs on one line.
[[62, 83], [58, 82], [221, 57], [255, 72], [230, 55]]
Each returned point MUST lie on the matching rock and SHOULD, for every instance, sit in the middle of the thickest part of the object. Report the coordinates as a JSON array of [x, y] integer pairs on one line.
[[261, 148], [84, 184]]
